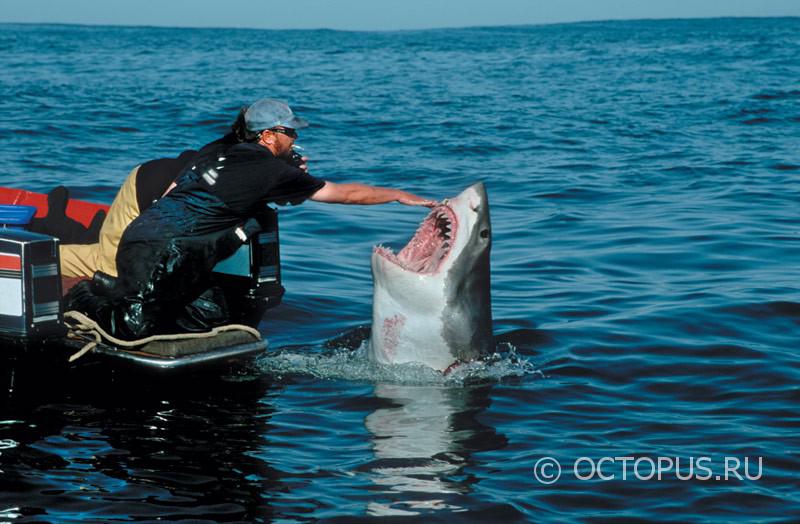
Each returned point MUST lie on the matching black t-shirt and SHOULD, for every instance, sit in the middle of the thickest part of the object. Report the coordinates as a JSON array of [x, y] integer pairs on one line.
[[226, 183], [246, 176]]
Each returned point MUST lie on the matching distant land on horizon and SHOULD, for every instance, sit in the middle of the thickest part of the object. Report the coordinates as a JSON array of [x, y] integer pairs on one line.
[[443, 28]]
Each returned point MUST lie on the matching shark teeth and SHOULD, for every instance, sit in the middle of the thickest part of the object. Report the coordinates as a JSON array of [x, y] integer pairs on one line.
[[430, 245]]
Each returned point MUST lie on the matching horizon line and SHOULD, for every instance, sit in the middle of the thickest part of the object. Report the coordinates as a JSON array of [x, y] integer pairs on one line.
[[497, 26]]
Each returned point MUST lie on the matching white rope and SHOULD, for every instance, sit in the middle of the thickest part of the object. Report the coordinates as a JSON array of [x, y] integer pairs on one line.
[[85, 326]]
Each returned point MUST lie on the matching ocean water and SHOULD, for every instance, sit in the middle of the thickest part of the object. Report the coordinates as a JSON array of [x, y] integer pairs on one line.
[[644, 179]]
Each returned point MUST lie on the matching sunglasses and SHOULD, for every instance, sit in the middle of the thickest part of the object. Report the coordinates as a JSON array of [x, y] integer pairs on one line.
[[288, 131]]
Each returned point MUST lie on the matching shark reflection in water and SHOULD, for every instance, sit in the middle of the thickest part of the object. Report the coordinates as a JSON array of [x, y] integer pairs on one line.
[[422, 441]]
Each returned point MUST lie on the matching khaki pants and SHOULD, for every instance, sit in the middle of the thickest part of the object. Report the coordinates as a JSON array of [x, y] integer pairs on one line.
[[82, 260]]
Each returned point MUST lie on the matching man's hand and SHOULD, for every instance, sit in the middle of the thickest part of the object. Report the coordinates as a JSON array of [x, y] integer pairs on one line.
[[303, 164], [294, 158], [413, 200]]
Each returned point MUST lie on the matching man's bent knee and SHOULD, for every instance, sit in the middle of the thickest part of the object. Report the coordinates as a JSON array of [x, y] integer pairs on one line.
[[78, 260]]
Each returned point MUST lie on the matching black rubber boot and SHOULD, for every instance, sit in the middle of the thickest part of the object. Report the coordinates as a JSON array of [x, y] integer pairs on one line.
[[104, 284]]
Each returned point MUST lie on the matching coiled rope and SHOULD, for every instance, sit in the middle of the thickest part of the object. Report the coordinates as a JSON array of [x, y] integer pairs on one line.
[[84, 326]]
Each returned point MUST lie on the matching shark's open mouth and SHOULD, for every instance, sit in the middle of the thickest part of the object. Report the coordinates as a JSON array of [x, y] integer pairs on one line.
[[430, 245]]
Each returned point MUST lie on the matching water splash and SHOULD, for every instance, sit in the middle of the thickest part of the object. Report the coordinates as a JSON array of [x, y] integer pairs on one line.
[[344, 363]]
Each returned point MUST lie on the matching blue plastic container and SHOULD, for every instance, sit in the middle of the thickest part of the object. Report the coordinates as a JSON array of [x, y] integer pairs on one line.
[[16, 216]]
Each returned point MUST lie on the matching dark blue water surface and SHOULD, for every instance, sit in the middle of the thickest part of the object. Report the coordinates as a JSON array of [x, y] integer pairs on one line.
[[644, 179]]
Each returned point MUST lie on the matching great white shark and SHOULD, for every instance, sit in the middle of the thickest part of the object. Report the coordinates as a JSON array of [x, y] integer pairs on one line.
[[431, 300]]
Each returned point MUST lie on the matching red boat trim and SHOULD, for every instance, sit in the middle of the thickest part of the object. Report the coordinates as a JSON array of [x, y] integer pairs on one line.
[[79, 210]]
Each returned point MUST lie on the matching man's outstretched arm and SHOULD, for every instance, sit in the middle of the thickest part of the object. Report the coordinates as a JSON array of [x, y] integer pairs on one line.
[[354, 193]]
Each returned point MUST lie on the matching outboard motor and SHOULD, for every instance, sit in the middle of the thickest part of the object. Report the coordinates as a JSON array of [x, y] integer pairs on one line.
[[30, 281], [251, 277]]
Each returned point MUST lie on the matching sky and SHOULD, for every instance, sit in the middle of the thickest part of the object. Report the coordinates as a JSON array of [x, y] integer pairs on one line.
[[373, 14]]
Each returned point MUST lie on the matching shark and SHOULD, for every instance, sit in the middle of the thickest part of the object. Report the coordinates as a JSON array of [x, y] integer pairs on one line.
[[432, 299]]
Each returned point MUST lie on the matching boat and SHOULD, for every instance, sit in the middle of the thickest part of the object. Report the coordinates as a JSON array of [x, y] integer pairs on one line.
[[33, 320]]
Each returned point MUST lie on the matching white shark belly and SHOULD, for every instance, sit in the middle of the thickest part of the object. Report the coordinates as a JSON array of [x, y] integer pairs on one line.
[[402, 335]]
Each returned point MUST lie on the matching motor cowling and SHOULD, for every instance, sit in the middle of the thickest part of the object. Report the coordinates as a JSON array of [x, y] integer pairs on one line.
[[30, 286], [251, 277]]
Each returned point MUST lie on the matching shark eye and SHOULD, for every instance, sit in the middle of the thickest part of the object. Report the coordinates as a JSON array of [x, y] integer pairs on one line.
[[484, 233]]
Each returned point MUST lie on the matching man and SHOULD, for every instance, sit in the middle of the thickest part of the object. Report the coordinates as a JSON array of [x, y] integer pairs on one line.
[[166, 255]]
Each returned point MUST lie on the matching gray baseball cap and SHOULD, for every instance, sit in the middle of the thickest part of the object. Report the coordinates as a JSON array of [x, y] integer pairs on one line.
[[268, 113]]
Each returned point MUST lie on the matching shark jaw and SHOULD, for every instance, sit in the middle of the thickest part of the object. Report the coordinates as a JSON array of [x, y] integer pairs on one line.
[[431, 302], [430, 245]]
